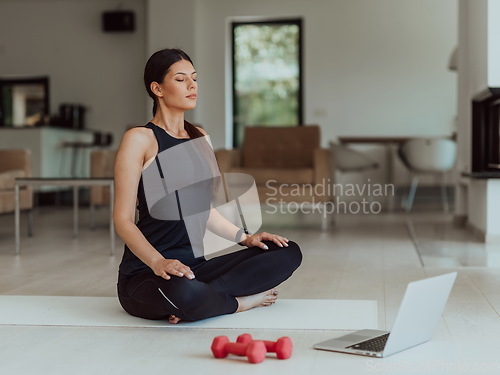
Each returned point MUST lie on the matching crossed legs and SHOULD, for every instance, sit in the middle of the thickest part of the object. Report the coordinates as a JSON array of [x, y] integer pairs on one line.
[[223, 285]]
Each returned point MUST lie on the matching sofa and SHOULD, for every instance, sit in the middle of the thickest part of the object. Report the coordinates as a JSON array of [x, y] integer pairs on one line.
[[287, 163]]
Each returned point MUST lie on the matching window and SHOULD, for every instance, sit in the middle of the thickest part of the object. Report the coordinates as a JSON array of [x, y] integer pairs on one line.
[[267, 74]]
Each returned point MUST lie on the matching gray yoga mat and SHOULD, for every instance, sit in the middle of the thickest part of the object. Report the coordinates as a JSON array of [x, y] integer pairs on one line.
[[285, 314]]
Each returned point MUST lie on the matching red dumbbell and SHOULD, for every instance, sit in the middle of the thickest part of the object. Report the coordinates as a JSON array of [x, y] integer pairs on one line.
[[254, 350], [283, 347]]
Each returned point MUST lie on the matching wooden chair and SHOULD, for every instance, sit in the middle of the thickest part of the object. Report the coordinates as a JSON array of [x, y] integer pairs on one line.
[[15, 163], [101, 165]]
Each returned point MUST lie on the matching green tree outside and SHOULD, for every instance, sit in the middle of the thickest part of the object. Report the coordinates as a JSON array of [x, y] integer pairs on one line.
[[266, 76]]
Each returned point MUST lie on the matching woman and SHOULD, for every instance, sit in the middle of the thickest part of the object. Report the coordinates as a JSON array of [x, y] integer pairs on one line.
[[159, 276]]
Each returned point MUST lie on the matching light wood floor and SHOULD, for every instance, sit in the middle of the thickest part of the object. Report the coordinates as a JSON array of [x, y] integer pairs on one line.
[[360, 257]]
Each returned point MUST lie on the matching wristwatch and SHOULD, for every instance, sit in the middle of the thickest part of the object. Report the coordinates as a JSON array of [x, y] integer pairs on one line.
[[237, 237]]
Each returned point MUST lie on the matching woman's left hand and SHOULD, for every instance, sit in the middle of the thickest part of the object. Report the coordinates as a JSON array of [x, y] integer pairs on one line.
[[256, 240]]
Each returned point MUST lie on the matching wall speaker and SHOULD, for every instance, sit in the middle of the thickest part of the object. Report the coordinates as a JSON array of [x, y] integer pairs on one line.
[[118, 21]]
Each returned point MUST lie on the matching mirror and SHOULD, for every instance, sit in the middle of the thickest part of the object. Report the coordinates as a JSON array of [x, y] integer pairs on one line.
[[24, 101]]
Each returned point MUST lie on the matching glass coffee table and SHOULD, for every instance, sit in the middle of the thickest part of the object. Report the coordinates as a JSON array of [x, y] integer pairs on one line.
[[75, 183]]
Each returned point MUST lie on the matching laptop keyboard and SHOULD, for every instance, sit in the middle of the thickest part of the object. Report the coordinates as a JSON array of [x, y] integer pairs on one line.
[[376, 344]]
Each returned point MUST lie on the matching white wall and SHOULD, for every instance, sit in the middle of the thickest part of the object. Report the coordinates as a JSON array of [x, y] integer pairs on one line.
[[493, 43], [372, 67], [170, 24], [63, 39]]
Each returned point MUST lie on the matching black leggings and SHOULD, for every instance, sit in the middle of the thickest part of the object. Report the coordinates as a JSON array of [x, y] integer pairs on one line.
[[218, 281]]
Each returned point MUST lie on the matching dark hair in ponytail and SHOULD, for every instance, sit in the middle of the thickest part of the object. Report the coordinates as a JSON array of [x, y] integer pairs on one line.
[[155, 70]]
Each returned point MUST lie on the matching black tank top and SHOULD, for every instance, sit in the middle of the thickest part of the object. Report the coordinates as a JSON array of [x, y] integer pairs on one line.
[[169, 237]]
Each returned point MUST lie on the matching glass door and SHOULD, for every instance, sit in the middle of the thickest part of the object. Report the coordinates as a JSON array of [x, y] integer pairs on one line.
[[267, 75]]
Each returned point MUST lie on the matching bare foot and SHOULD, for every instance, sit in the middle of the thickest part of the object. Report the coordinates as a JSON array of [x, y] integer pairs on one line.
[[266, 298], [172, 319]]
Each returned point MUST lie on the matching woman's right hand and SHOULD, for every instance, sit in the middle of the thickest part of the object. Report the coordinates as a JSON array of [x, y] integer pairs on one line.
[[166, 267]]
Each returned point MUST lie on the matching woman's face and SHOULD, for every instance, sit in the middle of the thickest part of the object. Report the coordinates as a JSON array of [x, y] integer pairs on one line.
[[179, 88]]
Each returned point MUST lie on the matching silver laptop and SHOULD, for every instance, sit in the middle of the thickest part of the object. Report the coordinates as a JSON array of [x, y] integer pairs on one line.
[[415, 323]]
